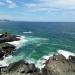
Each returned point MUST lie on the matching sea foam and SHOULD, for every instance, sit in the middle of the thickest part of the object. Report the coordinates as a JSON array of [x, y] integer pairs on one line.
[[66, 53], [41, 62], [27, 32], [19, 43], [5, 62]]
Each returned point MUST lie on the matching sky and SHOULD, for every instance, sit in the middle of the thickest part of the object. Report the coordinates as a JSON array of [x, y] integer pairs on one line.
[[38, 10]]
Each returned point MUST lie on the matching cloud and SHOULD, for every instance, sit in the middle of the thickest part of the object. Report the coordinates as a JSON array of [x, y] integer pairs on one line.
[[43, 9], [8, 3], [51, 5]]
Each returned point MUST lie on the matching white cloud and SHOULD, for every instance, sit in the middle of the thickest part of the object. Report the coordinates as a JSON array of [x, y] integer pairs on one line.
[[49, 5], [8, 3]]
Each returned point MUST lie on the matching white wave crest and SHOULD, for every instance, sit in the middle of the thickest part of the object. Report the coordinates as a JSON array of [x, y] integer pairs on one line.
[[19, 43], [27, 32], [5, 62], [65, 53], [41, 62]]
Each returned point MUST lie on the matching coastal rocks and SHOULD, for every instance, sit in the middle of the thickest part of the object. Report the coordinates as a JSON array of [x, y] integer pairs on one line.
[[59, 65], [1, 54], [55, 65], [8, 38], [20, 68], [72, 59], [6, 48]]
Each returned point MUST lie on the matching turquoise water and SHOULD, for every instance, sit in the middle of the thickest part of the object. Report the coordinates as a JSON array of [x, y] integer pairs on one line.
[[40, 38]]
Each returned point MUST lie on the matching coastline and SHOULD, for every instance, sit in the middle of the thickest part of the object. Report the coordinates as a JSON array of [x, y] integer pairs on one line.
[[62, 63], [55, 65]]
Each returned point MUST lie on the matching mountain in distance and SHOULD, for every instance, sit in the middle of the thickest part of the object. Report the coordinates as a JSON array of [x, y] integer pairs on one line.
[[4, 20]]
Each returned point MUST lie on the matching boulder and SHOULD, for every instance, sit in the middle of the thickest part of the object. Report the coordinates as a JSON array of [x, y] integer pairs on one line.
[[72, 59], [59, 65], [56, 65], [21, 68], [1, 54], [6, 48], [8, 38]]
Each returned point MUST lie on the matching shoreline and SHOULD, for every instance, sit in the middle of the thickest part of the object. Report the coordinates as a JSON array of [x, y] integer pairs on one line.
[[55, 65], [62, 63]]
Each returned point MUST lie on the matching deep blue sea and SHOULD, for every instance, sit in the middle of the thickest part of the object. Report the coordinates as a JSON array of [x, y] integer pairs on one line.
[[39, 40]]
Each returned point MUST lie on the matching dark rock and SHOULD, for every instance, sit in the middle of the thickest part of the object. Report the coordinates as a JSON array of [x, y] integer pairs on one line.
[[7, 48], [1, 54], [72, 59], [44, 71], [20, 68], [8, 38], [56, 65]]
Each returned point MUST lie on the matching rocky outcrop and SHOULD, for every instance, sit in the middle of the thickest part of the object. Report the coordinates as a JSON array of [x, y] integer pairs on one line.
[[6, 48], [1, 54], [59, 65], [8, 38], [55, 65], [72, 59], [20, 68]]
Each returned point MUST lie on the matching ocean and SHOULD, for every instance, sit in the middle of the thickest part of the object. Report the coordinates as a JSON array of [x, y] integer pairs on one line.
[[39, 40]]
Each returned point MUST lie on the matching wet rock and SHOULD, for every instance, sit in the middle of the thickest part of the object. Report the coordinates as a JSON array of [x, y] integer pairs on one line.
[[8, 38], [44, 71], [1, 54], [20, 68], [72, 59], [55, 65], [7, 48]]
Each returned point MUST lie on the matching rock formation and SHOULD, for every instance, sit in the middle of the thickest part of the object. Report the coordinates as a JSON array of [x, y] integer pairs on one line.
[[6, 48], [20, 68], [8, 38], [55, 65], [59, 65]]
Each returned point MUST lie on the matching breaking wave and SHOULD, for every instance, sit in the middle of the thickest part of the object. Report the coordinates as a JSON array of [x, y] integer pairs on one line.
[[66, 53], [5, 61], [19, 43], [39, 63], [27, 32]]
